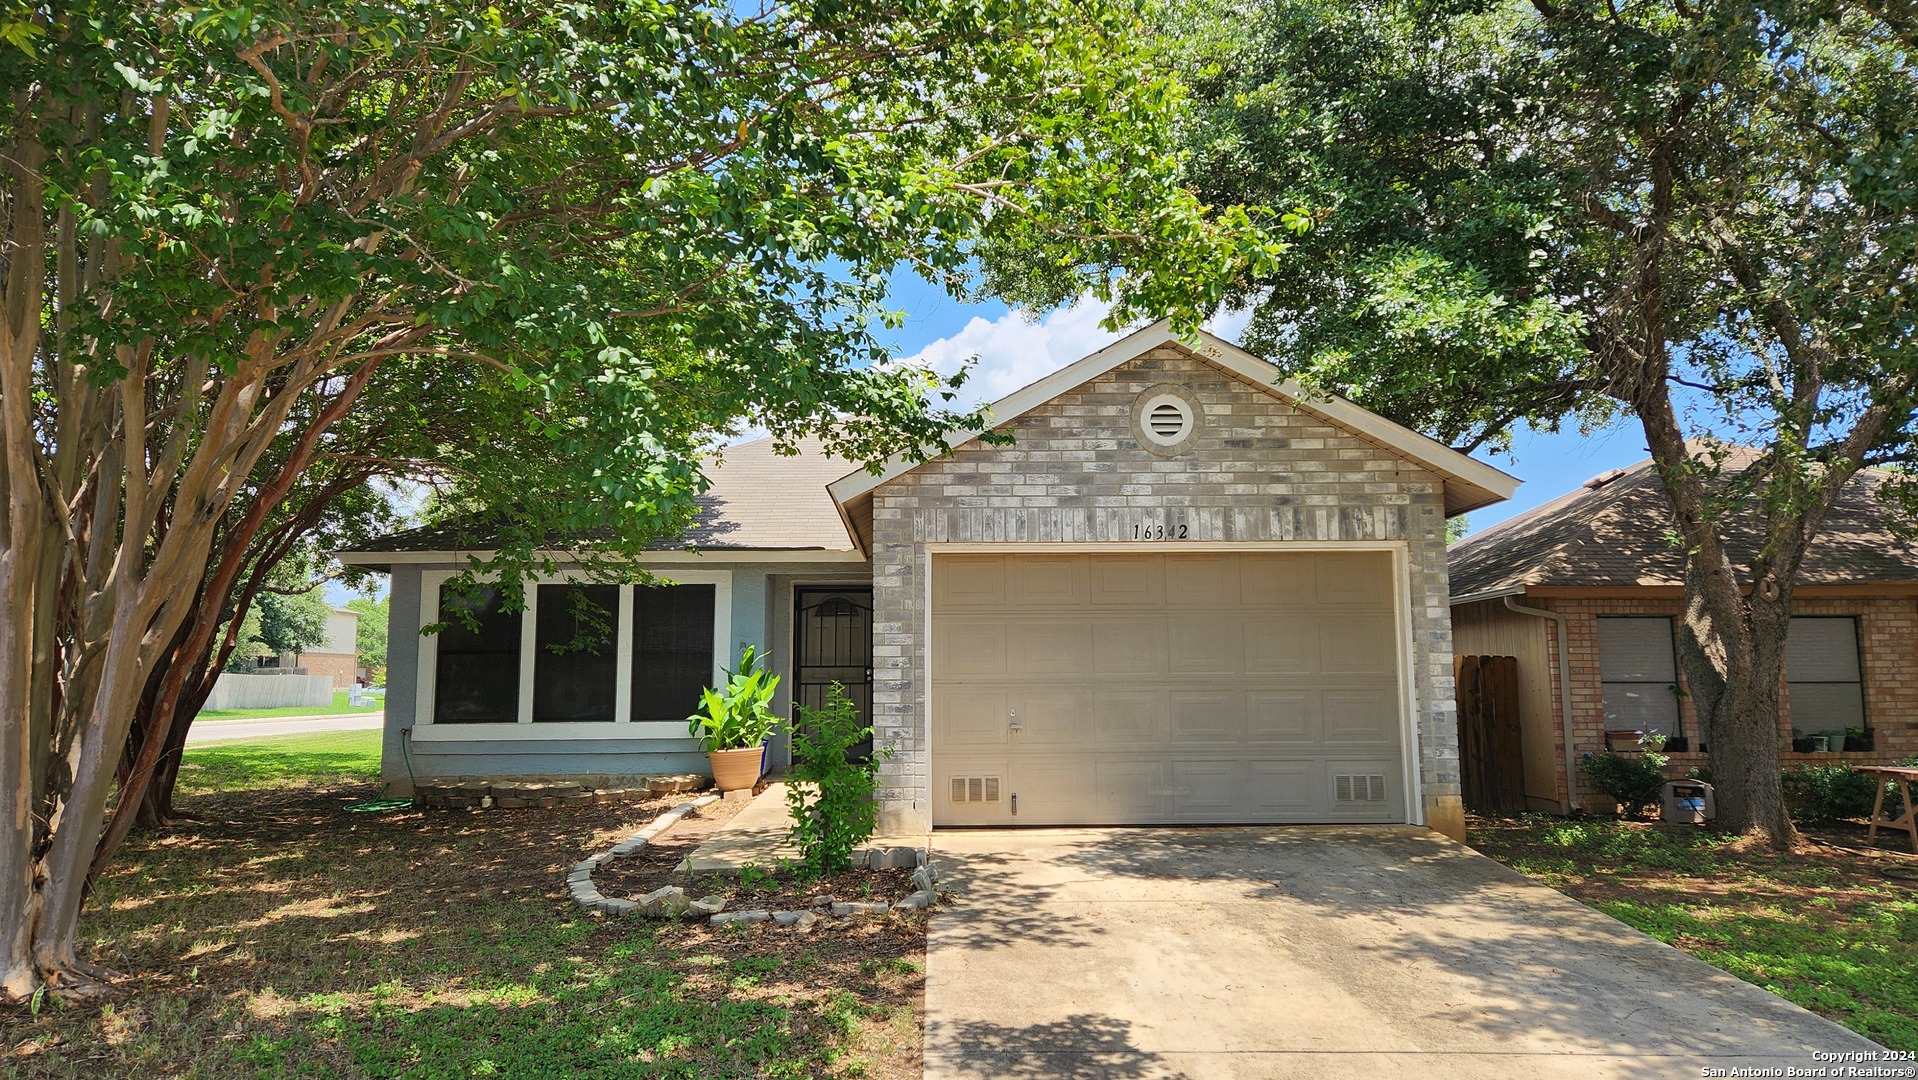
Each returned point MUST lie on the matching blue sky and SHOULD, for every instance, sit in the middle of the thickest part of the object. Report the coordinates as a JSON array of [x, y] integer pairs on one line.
[[1014, 350]]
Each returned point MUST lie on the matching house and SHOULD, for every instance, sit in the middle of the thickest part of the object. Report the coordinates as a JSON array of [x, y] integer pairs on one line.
[[1585, 592], [338, 657], [1186, 592]]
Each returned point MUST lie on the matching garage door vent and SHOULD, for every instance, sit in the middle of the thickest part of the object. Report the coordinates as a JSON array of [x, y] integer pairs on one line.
[[1360, 788], [975, 789]]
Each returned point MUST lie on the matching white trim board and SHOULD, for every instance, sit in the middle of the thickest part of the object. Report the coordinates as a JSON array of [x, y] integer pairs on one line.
[[1484, 483], [621, 726]]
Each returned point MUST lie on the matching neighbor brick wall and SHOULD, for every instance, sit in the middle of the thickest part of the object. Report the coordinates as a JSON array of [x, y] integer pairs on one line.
[[340, 666], [1259, 470], [1888, 642]]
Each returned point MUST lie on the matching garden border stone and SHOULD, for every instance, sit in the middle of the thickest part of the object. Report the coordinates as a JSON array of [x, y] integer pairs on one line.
[[669, 902]]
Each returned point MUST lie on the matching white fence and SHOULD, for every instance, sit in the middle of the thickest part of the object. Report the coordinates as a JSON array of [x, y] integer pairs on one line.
[[233, 691]]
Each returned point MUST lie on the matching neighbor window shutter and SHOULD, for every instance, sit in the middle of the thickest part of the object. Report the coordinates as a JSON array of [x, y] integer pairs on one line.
[[1821, 649]]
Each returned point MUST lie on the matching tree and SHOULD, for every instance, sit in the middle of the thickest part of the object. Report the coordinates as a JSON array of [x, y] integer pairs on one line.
[[612, 230], [370, 636], [1699, 215]]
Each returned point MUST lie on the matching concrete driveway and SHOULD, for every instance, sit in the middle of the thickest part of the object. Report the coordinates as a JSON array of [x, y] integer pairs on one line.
[[1280, 952]]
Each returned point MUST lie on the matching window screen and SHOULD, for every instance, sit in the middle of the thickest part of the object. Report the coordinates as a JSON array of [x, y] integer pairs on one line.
[[1638, 673], [576, 654], [1822, 673], [476, 674], [672, 650]]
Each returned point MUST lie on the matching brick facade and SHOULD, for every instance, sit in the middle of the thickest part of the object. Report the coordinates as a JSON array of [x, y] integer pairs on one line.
[[340, 667], [1258, 470], [1888, 647]]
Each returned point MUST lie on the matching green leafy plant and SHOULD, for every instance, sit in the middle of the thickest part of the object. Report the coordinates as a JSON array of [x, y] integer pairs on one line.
[[831, 797], [1634, 779], [740, 715], [1828, 792]]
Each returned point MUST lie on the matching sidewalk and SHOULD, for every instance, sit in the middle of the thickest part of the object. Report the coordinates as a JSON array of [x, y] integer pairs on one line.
[[206, 731]]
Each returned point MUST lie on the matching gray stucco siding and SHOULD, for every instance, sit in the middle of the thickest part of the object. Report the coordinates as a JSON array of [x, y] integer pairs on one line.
[[1257, 470], [760, 612]]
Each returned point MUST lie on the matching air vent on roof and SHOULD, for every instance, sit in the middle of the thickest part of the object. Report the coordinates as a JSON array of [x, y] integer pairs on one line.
[[1168, 419], [1364, 787], [969, 789], [1604, 478]]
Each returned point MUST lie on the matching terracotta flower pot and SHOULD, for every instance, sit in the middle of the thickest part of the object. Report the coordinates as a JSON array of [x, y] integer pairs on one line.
[[734, 770]]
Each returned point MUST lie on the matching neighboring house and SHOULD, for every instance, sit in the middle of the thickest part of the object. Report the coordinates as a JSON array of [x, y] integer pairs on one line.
[[1185, 593], [339, 657], [1585, 591]]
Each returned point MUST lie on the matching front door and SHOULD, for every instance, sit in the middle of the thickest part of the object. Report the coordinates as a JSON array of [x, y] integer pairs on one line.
[[833, 635]]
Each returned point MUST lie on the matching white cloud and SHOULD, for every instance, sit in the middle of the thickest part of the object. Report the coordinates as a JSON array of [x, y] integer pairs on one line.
[[1015, 351]]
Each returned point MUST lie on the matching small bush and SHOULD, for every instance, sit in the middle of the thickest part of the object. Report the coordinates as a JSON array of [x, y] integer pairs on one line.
[[1828, 792], [832, 798], [1634, 780]]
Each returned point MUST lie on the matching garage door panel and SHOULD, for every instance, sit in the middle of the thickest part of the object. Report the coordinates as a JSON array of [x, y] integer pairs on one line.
[[1128, 719], [1051, 581], [1360, 716], [970, 649], [1357, 644], [1275, 582], [1350, 580], [1210, 582], [971, 719], [1283, 789], [1206, 718], [1127, 646], [1050, 716], [1131, 791], [1135, 581], [1274, 646], [1155, 687], [1277, 717], [1205, 646], [970, 582], [1049, 647]]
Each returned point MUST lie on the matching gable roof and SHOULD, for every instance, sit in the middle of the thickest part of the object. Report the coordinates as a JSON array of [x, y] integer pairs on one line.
[[1469, 483], [760, 500], [1614, 531]]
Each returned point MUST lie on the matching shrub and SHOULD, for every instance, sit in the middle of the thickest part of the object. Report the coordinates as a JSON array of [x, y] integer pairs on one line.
[[1828, 792], [831, 798], [1634, 780]]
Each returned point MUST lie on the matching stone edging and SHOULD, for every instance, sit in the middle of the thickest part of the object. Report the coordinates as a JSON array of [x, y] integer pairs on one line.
[[672, 902]]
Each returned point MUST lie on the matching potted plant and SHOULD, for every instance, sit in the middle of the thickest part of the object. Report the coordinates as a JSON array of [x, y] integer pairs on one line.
[[1820, 743], [735, 721], [1836, 739], [1858, 739], [1800, 742]]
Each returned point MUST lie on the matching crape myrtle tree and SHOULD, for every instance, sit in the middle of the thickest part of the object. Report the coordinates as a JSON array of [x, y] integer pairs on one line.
[[612, 228], [1696, 215]]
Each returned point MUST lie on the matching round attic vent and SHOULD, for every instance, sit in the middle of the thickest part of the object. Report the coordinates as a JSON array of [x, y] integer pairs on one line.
[[1168, 419]]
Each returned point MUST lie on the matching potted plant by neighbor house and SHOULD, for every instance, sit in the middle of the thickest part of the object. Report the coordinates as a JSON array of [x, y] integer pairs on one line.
[[1858, 739], [1820, 743], [1835, 738], [734, 722]]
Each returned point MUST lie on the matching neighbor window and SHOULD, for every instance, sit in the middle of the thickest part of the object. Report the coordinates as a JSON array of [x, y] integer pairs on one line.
[[1638, 673], [1822, 673], [476, 674], [672, 650]]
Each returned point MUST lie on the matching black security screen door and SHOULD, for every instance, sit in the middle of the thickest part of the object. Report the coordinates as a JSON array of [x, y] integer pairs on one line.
[[833, 635]]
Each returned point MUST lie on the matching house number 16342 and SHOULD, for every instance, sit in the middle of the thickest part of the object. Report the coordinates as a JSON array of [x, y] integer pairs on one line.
[[1159, 532]]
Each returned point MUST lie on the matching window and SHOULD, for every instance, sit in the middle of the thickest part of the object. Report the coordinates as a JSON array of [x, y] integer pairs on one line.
[[1638, 673], [576, 654], [672, 650], [476, 672], [1822, 676], [583, 661]]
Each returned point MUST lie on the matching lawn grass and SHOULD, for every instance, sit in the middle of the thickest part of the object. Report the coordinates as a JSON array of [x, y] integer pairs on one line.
[[283, 935], [375, 704], [1820, 927]]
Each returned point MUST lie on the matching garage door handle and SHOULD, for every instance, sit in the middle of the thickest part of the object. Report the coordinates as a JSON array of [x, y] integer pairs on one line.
[[1012, 723]]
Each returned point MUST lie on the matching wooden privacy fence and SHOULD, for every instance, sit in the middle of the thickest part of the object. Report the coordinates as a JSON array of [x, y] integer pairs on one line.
[[1491, 762]]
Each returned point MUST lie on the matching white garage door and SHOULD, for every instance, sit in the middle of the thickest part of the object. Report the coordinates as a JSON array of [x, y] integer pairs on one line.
[[1165, 688]]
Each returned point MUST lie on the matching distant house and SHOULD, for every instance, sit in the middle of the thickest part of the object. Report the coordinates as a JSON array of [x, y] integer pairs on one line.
[[1188, 591], [1584, 592], [338, 657]]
